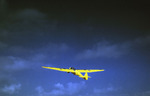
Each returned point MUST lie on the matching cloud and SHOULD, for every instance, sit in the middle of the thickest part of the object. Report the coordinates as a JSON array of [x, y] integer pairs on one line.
[[29, 14], [2, 45], [11, 63], [11, 89], [8, 67], [24, 29], [142, 41], [145, 93], [59, 85], [106, 49], [24, 23], [104, 90], [48, 52], [18, 57], [112, 91], [39, 89], [108, 91], [57, 92], [60, 89], [52, 48], [74, 87]]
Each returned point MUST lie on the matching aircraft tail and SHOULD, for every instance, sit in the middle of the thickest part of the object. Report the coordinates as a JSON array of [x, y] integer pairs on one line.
[[86, 76]]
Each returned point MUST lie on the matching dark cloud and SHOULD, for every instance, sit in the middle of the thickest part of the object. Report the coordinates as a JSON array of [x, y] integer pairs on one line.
[[107, 50], [20, 25], [146, 93], [3, 45], [10, 64], [16, 64], [18, 58], [104, 49], [29, 14]]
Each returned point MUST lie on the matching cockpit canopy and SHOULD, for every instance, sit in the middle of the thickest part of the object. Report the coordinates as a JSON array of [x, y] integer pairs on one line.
[[72, 68]]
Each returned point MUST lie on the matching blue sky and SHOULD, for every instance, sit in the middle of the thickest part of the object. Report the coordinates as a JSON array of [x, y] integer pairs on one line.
[[85, 38]]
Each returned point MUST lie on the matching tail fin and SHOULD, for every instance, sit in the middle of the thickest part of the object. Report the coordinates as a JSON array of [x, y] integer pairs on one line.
[[86, 76]]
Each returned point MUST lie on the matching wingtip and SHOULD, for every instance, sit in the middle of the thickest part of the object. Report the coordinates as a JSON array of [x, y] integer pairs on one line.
[[101, 70], [43, 66]]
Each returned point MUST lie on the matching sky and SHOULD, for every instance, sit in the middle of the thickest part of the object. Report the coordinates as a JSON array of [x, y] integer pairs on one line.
[[114, 36]]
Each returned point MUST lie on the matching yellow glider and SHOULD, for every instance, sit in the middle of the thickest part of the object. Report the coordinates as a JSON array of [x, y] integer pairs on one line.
[[76, 71]]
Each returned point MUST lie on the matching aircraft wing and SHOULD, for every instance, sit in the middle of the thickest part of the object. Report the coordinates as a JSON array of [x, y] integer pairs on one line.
[[90, 71], [59, 69]]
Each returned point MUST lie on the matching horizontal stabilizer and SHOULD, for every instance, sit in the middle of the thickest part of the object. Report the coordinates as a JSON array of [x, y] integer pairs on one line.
[[85, 77]]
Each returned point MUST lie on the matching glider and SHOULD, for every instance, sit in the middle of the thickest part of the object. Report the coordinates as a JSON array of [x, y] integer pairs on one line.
[[76, 71]]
